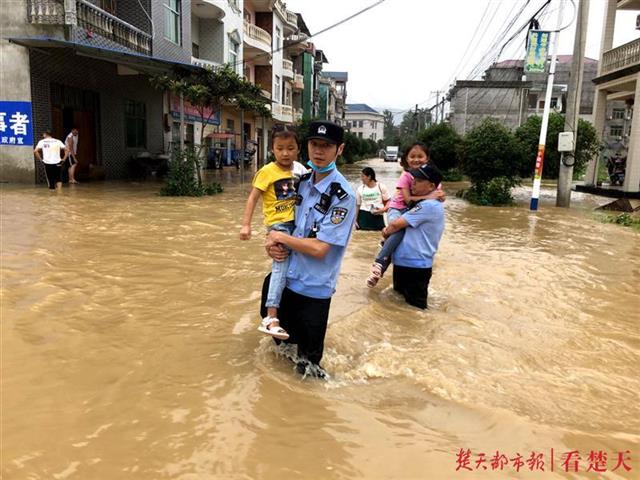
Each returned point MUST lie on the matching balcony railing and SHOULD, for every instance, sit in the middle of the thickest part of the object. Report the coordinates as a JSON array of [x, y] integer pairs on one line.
[[620, 57], [257, 33], [298, 81], [292, 19], [287, 64], [279, 7], [111, 27], [46, 12], [201, 62], [286, 110]]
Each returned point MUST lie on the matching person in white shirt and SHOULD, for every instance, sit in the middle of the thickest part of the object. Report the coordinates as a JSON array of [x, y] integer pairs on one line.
[[371, 198], [48, 152], [71, 143]]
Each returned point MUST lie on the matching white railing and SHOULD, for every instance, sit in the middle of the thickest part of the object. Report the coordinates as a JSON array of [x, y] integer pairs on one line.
[[620, 57], [279, 7], [292, 19], [287, 64], [286, 110], [46, 12], [257, 33], [111, 27], [298, 81], [201, 62]]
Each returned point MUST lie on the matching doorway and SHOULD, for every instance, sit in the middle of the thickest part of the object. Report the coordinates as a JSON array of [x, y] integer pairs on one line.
[[73, 107]]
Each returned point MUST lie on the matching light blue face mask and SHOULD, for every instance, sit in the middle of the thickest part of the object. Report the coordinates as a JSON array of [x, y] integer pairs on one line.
[[326, 169]]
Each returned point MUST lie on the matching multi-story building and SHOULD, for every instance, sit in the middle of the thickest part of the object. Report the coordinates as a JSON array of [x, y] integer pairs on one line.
[[364, 121], [76, 62], [618, 79], [503, 95], [333, 96]]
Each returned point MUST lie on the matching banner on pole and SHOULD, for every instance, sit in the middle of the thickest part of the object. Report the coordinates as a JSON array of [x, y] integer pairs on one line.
[[537, 51]]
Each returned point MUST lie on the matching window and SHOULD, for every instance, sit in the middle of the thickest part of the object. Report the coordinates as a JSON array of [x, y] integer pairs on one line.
[[135, 124], [276, 90], [360, 124], [618, 113], [172, 21], [532, 100], [278, 39], [615, 131], [359, 134], [195, 50], [233, 54], [231, 127], [554, 102]]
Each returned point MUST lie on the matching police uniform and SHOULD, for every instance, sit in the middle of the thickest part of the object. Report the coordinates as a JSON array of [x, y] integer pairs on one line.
[[327, 211]]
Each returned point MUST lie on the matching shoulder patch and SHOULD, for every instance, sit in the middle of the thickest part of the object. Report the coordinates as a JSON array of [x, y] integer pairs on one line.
[[416, 208], [338, 214]]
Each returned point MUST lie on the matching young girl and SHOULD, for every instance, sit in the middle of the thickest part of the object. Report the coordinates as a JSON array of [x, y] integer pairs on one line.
[[371, 198], [276, 183], [414, 157]]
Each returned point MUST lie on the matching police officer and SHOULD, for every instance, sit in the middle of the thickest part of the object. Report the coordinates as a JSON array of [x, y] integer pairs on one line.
[[324, 216], [424, 225]]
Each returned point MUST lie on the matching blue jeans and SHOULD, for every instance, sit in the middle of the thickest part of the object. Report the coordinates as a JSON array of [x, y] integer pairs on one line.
[[278, 269], [391, 243]]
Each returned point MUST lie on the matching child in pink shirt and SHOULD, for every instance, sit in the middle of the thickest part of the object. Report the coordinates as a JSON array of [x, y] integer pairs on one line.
[[414, 157]]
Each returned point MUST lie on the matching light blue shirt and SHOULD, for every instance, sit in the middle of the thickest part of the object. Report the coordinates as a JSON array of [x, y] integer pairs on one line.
[[422, 236], [317, 277]]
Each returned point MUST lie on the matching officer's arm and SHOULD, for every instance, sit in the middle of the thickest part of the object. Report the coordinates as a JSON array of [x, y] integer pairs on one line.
[[393, 227], [307, 246]]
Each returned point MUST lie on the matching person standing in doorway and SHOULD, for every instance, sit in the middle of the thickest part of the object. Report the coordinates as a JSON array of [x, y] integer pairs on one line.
[[71, 143], [48, 152], [324, 217]]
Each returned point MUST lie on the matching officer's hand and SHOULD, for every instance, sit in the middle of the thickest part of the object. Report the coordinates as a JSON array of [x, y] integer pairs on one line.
[[437, 195], [276, 251]]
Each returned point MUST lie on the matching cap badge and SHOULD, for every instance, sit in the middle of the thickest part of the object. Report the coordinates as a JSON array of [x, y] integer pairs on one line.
[[322, 130]]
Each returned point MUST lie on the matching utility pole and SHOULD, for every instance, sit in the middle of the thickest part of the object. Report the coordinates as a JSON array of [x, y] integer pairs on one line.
[[436, 106], [416, 122], [563, 197], [537, 176], [442, 112]]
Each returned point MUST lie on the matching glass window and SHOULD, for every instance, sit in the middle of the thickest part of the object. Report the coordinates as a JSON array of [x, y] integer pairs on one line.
[[615, 131], [172, 13], [233, 55], [278, 39], [231, 127], [532, 100], [135, 124], [276, 90], [618, 113]]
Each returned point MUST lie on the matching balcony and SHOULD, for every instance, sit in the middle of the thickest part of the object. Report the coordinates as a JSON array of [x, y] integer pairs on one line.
[[45, 12], [280, 9], [282, 113], [298, 82], [291, 23], [112, 28], [208, 8], [201, 62], [287, 68], [626, 55], [257, 43], [298, 43]]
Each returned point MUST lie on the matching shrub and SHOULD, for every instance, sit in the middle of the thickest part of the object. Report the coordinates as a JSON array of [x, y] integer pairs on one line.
[[494, 192], [182, 180], [490, 150], [587, 145]]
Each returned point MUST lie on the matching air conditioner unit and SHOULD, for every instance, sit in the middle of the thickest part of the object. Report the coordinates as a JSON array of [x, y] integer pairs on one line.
[[638, 22]]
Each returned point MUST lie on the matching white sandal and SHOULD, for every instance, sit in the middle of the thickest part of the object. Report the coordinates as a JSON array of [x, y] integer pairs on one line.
[[276, 331]]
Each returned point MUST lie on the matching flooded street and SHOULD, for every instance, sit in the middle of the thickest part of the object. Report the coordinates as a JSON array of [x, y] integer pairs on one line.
[[130, 350]]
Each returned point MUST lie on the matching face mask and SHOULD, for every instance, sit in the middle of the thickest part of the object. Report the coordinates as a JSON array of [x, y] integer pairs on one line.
[[326, 169]]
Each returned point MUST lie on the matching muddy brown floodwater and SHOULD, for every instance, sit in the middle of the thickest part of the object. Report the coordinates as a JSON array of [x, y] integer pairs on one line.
[[130, 350]]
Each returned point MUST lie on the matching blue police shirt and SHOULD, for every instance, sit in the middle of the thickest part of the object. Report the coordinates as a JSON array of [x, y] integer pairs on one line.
[[422, 236], [317, 277]]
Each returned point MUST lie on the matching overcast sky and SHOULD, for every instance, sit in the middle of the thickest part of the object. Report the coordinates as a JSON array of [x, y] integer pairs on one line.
[[402, 50]]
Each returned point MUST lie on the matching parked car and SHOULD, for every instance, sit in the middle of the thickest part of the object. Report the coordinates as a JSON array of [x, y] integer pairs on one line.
[[391, 154]]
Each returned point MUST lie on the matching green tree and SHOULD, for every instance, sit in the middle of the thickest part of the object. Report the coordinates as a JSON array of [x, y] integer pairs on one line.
[[389, 127], [444, 145], [207, 90], [491, 158], [587, 145]]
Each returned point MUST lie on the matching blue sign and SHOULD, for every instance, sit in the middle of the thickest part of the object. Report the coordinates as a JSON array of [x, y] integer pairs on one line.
[[16, 124]]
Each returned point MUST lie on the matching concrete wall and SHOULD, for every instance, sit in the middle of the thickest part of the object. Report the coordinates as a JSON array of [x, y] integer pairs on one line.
[[212, 41], [17, 164], [374, 132], [164, 48], [499, 103]]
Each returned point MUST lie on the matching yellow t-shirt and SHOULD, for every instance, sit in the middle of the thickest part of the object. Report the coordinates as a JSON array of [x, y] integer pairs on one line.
[[278, 193]]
